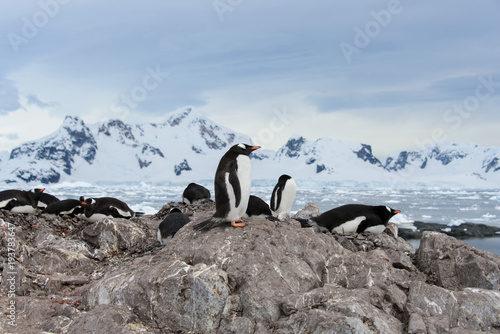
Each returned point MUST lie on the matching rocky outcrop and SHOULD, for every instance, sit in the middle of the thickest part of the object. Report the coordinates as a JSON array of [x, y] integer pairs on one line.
[[462, 231], [268, 277], [454, 265]]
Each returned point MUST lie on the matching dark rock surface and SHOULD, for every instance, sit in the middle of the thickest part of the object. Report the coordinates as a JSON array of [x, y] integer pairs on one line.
[[112, 276], [462, 231]]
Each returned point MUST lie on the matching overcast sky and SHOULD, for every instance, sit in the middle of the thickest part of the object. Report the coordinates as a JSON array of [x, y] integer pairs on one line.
[[393, 74]]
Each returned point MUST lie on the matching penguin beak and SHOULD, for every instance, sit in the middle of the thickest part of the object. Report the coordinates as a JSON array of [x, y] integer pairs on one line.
[[396, 211], [255, 147]]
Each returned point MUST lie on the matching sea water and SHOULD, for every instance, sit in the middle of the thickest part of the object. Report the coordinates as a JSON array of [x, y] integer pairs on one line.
[[436, 205]]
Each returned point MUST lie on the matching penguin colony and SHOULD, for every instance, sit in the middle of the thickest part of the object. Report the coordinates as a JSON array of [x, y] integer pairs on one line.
[[233, 202]]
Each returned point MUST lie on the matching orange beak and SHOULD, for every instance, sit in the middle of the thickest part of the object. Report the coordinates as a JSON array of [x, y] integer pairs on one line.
[[255, 147], [396, 211]]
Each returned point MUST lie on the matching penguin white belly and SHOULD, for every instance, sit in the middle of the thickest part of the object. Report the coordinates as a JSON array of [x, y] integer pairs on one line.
[[162, 240], [377, 229], [244, 177], [67, 212], [97, 216], [287, 197], [23, 209], [349, 226]]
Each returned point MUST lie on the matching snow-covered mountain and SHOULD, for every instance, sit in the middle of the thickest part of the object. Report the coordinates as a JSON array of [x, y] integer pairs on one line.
[[469, 164], [188, 146]]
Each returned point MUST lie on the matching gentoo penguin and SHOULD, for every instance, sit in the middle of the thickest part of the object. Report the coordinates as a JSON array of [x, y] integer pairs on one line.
[[232, 187], [20, 201], [283, 196], [353, 218], [195, 192], [171, 224], [46, 199], [257, 207], [106, 207], [70, 207]]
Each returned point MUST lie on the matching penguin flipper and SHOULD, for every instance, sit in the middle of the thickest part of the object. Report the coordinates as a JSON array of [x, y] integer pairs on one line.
[[235, 183], [305, 222], [368, 222], [273, 219]]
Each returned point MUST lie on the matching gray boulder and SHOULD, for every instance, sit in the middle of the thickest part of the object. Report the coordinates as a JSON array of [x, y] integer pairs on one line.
[[454, 265]]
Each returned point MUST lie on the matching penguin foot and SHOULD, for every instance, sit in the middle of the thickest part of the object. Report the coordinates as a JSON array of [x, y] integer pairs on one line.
[[238, 223]]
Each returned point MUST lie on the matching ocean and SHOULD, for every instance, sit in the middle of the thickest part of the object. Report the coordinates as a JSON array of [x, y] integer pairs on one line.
[[437, 205]]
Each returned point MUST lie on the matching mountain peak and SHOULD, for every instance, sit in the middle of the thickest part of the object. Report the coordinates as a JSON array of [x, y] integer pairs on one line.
[[187, 114]]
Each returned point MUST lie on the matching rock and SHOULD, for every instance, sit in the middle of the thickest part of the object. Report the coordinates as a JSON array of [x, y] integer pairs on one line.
[[113, 276], [173, 297], [309, 211], [107, 319], [462, 231], [454, 265], [442, 309], [416, 324], [117, 235]]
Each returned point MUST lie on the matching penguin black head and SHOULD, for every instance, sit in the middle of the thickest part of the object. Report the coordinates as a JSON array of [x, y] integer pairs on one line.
[[174, 210], [283, 178], [243, 149], [385, 211]]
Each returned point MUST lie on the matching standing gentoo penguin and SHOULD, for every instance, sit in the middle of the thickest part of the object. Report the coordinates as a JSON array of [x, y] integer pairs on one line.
[[354, 218], [283, 196], [232, 187], [195, 192], [106, 207], [171, 224], [70, 207], [20, 201]]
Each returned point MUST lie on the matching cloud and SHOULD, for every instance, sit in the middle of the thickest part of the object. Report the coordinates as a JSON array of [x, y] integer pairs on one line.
[[32, 99], [263, 55], [9, 97], [10, 136]]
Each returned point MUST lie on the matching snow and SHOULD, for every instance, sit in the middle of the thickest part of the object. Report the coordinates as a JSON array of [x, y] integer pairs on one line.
[[150, 153]]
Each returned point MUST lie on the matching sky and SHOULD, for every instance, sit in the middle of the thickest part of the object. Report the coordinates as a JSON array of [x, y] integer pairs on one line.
[[398, 75]]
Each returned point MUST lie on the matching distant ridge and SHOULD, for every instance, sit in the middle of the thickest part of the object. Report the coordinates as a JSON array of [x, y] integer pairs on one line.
[[188, 146]]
